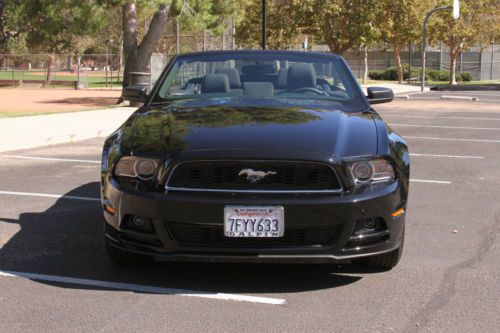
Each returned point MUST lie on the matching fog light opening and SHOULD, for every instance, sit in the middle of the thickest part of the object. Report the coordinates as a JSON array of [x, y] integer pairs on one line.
[[139, 223], [369, 224]]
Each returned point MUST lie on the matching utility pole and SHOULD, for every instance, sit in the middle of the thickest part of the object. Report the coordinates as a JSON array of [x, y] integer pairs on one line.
[[456, 12], [264, 37]]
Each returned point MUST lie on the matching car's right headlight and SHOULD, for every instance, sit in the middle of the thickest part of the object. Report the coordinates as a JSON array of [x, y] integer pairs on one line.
[[372, 171], [136, 167]]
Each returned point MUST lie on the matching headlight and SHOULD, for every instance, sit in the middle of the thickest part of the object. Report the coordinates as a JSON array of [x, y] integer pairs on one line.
[[136, 167], [372, 171]]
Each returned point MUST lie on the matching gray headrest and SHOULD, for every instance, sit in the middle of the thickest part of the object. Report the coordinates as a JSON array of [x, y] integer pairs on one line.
[[301, 75], [258, 89], [282, 78], [215, 83], [233, 76]]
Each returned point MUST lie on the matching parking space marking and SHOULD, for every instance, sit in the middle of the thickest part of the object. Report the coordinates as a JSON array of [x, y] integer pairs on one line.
[[57, 196], [449, 127], [439, 117], [451, 139], [430, 181], [144, 288], [449, 156], [51, 159], [448, 111]]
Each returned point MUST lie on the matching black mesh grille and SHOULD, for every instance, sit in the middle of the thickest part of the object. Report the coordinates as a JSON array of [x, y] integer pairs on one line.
[[213, 236], [229, 175]]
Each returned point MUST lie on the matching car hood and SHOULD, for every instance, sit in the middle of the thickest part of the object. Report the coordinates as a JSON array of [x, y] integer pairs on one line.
[[193, 126]]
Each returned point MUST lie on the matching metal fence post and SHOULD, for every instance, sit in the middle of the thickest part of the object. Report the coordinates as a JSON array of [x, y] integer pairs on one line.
[[177, 36], [440, 55], [492, 62], [78, 61]]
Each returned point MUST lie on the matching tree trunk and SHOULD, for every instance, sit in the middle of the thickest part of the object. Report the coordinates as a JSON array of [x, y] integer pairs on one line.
[[137, 57], [453, 66], [129, 27], [50, 64], [339, 48], [397, 56], [365, 68]]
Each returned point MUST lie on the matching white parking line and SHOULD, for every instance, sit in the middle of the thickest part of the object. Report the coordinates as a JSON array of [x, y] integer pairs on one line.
[[51, 159], [451, 139], [145, 288], [430, 181], [449, 127], [57, 196], [449, 156], [445, 110], [438, 117]]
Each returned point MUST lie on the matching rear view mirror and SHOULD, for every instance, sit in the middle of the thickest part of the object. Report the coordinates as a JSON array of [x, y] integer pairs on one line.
[[135, 93], [377, 95]]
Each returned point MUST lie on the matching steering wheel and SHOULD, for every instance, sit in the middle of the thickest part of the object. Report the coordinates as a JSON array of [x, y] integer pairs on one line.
[[309, 89]]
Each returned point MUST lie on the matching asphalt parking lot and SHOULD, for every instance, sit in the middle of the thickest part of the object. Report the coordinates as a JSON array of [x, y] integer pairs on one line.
[[55, 276]]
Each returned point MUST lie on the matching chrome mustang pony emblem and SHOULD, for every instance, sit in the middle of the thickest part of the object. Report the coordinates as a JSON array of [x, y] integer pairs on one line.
[[255, 176]]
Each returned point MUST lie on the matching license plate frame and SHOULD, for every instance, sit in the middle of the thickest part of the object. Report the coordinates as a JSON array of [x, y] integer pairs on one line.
[[254, 221]]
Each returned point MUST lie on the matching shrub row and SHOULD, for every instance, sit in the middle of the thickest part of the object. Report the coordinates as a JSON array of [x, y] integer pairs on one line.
[[391, 73]]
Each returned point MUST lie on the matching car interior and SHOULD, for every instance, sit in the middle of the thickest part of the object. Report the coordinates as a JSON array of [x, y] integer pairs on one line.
[[255, 80]]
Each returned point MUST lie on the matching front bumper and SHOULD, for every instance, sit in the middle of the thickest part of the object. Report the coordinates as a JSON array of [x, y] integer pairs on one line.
[[341, 212]]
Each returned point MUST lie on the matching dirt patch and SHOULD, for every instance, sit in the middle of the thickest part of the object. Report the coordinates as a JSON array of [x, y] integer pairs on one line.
[[54, 100]]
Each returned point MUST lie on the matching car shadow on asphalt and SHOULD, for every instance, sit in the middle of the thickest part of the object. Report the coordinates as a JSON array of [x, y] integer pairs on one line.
[[67, 240]]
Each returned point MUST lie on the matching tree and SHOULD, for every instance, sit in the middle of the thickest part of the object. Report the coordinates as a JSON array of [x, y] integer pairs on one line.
[[59, 26], [402, 24], [192, 14], [282, 29], [339, 24], [479, 21]]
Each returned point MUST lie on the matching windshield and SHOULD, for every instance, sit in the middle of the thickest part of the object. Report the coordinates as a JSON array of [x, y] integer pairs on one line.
[[260, 75]]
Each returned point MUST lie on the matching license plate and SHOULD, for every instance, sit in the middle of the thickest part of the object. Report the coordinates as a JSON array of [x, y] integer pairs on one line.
[[254, 221]]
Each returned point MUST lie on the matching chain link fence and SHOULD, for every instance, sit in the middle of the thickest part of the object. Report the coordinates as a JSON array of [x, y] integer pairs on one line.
[[61, 70], [483, 63], [106, 71]]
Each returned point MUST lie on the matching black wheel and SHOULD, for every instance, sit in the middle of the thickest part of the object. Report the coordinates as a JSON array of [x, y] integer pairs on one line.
[[121, 257], [385, 261]]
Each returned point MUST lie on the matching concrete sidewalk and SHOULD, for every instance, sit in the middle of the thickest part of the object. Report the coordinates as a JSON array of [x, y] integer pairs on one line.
[[34, 131]]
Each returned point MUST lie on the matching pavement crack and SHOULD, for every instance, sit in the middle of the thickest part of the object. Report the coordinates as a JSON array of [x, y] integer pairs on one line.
[[447, 289]]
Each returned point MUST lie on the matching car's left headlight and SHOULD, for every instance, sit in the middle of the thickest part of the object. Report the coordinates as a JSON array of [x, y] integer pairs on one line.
[[372, 171], [136, 167]]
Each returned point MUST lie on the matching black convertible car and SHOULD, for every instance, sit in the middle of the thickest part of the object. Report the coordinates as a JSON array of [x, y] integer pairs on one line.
[[256, 156]]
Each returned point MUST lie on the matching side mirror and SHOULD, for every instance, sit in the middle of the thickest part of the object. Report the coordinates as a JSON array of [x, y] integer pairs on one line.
[[377, 95], [135, 93]]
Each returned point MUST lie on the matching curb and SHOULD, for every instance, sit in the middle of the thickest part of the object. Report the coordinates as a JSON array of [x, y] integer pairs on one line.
[[463, 98]]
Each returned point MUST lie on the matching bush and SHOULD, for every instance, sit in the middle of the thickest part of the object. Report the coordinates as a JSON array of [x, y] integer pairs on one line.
[[376, 75], [390, 73], [466, 76]]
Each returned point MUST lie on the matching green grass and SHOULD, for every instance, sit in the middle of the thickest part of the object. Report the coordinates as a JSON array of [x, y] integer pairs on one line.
[[90, 80]]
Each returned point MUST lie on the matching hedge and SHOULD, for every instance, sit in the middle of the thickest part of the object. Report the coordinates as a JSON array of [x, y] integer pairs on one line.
[[391, 73]]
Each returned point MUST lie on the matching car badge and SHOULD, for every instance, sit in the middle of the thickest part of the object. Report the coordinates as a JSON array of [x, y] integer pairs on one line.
[[254, 175]]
